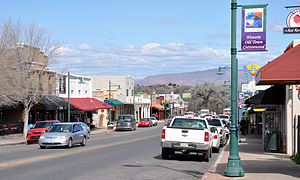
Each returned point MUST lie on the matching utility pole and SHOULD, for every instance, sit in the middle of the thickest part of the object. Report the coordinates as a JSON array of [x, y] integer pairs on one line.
[[109, 110], [234, 167]]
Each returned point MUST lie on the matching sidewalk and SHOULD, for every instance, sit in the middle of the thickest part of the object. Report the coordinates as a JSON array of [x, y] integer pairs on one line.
[[257, 164], [19, 139]]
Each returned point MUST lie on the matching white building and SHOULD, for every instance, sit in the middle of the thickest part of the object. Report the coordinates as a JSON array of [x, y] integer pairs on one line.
[[80, 86]]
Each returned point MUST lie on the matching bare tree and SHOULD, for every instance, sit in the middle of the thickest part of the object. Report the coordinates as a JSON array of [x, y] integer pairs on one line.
[[25, 53]]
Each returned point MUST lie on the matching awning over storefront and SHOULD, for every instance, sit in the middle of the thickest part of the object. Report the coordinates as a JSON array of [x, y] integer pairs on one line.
[[273, 95], [282, 70], [87, 104], [53, 102], [115, 102], [158, 106]]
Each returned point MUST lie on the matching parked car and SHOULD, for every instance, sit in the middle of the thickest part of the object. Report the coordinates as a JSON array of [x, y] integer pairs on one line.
[[154, 121], [126, 122], [186, 135], [146, 122], [208, 117], [219, 125], [170, 119], [86, 128], [189, 114], [224, 117], [38, 129], [63, 134], [216, 139]]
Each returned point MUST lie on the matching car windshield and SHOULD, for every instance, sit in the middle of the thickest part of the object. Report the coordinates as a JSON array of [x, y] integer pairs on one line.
[[214, 122], [124, 118], [66, 128], [227, 117], [43, 125], [188, 123], [145, 119]]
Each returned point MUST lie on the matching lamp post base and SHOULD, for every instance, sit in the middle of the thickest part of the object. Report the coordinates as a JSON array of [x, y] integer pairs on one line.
[[234, 168]]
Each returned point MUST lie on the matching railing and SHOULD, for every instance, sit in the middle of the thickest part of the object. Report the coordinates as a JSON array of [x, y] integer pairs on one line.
[[11, 128]]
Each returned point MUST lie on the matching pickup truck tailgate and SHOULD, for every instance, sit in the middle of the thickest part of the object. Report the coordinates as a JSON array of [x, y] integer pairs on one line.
[[185, 135]]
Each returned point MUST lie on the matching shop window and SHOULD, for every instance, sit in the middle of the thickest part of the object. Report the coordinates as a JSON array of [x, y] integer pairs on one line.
[[127, 92]]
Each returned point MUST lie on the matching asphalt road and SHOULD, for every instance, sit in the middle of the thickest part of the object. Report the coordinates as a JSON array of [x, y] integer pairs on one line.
[[113, 155]]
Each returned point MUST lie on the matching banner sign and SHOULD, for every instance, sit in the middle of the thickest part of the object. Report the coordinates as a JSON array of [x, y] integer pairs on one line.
[[253, 28], [62, 85], [293, 23]]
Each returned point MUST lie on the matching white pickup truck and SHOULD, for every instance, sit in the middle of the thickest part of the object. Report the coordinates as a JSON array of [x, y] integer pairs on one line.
[[186, 135]]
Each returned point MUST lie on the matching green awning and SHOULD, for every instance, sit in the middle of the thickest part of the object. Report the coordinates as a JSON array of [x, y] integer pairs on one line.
[[115, 102]]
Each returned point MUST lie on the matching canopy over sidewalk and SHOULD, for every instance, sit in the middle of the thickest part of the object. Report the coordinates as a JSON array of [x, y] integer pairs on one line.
[[87, 104]]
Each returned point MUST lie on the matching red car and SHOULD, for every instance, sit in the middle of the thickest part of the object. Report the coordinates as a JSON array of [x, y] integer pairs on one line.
[[38, 129], [145, 122]]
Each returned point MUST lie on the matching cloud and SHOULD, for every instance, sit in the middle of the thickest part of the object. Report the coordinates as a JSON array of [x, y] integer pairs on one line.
[[168, 20], [84, 46], [151, 59], [275, 27]]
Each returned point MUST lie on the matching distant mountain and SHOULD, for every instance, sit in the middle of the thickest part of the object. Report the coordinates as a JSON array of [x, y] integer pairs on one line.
[[191, 78]]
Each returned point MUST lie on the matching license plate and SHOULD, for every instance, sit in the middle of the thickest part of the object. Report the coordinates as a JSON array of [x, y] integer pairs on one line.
[[184, 144]]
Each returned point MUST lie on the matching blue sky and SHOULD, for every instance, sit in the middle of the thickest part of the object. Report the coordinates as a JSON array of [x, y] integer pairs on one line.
[[141, 38]]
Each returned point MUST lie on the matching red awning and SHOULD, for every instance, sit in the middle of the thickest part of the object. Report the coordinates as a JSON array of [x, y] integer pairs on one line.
[[87, 104], [285, 69]]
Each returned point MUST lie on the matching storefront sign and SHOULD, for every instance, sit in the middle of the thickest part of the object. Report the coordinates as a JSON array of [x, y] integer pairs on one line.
[[253, 69], [253, 28], [293, 23], [62, 85]]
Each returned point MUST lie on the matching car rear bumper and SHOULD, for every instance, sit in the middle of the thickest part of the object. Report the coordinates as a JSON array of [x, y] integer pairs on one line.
[[197, 147], [124, 128], [144, 125]]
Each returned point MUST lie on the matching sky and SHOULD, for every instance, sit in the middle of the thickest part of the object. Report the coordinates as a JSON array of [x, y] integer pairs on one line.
[[140, 38]]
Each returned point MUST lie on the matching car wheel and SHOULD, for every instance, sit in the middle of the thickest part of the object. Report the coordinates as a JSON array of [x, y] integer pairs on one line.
[[29, 142], [70, 143], [206, 156], [83, 143], [42, 147], [164, 153], [210, 152]]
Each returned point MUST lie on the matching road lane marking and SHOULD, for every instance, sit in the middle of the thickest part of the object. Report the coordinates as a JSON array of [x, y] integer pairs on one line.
[[23, 161]]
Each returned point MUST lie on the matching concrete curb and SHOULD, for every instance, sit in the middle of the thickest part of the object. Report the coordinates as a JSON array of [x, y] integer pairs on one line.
[[214, 167], [13, 143]]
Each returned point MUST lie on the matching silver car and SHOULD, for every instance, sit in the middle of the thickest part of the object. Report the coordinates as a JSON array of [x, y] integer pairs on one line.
[[86, 128], [63, 134]]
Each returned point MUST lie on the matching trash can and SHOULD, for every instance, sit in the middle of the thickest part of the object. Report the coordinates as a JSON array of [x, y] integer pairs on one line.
[[271, 141]]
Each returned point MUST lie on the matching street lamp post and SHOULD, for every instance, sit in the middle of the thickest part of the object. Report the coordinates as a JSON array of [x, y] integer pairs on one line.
[[110, 84], [151, 102], [69, 97], [234, 167]]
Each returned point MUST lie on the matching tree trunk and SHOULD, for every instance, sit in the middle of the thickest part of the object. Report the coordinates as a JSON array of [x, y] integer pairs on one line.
[[26, 115]]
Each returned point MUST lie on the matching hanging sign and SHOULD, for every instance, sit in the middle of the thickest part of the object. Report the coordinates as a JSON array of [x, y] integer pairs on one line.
[[293, 23], [253, 28], [253, 68]]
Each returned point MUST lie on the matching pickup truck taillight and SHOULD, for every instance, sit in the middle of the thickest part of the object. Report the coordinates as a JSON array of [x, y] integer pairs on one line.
[[206, 136], [163, 134], [215, 137], [221, 131]]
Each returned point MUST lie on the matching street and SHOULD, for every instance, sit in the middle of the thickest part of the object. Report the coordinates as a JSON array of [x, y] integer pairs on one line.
[[113, 155]]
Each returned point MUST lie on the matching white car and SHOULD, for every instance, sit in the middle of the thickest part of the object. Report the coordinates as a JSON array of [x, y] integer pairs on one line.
[[219, 125], [216, 139], [187, 135], [154, 121]]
